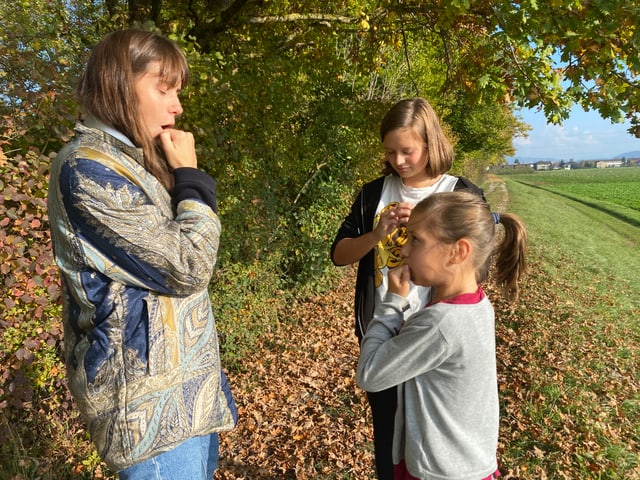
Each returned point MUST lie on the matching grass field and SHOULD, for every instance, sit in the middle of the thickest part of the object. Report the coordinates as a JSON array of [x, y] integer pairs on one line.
[[569, 350], [590, 216], [605, 187]]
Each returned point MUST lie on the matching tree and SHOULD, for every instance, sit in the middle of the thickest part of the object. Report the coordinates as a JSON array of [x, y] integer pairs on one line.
[[549, 54], [42, 46], [287, 96]]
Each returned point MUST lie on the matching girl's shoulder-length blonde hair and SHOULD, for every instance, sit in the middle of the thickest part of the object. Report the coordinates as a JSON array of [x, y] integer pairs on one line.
[[418, 115]]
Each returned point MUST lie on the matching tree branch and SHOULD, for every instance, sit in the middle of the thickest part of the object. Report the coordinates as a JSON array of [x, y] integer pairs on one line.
[[302, 17]]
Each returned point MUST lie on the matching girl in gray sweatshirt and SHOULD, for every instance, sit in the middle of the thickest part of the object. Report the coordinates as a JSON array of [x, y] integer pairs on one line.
[[443, 357]]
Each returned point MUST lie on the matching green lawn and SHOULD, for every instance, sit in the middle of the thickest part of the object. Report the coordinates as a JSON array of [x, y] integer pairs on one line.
[[598, 236], [619, 186], [568, 352]]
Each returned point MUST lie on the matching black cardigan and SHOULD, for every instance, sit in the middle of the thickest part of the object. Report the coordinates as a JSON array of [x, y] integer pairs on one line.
[[360, 221]]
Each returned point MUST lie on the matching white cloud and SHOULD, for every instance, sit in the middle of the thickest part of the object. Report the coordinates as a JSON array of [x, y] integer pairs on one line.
[[584, 136]]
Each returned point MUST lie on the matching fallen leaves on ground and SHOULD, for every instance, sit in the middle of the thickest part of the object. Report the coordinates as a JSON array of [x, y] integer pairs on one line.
[[301, 414], [563, 386]]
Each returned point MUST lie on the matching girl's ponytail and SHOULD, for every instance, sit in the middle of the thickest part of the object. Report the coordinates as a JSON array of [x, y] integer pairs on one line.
[[510, 262]]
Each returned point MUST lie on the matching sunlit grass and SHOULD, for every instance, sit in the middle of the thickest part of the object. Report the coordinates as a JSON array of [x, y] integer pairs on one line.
[[577, 334]]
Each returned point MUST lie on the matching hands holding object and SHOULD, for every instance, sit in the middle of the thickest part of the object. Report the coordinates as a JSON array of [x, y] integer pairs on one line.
[[393, 218]]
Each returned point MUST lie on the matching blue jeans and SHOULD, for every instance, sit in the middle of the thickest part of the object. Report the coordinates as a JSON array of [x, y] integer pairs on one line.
[[193, 459]]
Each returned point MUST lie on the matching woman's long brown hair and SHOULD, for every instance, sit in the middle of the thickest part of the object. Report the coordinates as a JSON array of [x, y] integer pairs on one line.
[[106, 87]]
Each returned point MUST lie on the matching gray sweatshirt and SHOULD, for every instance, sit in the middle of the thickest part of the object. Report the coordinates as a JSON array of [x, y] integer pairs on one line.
[[444, 363]]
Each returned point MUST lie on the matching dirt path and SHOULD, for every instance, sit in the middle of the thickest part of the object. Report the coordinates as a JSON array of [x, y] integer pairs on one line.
[[301, 414], [499, 190]]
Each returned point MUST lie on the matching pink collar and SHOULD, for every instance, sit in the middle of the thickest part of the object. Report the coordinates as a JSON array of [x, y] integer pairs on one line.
[[465, 298]]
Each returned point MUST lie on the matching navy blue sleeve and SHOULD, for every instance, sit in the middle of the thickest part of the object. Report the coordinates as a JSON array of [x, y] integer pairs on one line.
[[191, 183]]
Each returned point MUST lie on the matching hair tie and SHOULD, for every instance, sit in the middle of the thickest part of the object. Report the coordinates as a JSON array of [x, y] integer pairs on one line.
[[496, 217]]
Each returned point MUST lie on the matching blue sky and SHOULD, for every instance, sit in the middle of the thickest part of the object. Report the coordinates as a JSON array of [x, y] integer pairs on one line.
[[583, 136]]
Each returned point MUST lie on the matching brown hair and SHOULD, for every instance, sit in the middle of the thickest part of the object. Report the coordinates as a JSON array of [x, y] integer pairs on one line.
[[417, 114], [106, 87], [452, 216]]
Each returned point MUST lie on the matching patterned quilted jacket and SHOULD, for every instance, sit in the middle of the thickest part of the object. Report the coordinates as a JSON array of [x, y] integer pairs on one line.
[[141, 347]]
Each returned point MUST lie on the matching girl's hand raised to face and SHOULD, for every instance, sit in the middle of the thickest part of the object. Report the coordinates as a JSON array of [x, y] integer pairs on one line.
[[179, 148], [399, 280]]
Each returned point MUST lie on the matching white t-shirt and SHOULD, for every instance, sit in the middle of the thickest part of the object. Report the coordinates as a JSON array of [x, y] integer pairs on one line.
[[387, 252]]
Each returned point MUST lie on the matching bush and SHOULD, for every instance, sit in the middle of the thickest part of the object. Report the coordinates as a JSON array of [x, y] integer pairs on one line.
[[36, 410], [30, 288]]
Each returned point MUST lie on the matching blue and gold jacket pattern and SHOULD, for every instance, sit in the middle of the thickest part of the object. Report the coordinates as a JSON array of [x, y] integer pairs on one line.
[[141, 347]]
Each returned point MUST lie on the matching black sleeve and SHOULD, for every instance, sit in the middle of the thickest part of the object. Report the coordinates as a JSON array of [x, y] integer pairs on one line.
[[191, 183], [350, 227], [360, 219], [466, 184]]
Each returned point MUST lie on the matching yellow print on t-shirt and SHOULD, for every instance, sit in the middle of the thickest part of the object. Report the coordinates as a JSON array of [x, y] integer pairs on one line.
[[387, 252]]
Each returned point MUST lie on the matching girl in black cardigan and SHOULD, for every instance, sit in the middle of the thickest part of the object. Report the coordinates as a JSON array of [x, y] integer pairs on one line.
[[417, 156]]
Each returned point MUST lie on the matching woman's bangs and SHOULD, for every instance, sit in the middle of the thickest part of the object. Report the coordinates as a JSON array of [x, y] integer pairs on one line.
[[174, 70]]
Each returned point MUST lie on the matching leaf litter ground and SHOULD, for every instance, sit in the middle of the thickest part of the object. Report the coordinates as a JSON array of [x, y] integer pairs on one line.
[[567, 394], [301, 414]]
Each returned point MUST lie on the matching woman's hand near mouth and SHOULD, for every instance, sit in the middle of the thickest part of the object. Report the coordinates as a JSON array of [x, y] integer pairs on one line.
[[179, 148]]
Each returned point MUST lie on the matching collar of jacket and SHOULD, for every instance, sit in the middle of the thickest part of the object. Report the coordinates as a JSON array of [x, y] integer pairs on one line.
[[134, 152]]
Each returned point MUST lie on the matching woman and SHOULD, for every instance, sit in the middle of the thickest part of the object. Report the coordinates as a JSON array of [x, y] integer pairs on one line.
[[135, 233]]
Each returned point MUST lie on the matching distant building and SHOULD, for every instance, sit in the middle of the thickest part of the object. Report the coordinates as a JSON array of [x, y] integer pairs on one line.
[[609, 163], [543, 166]]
